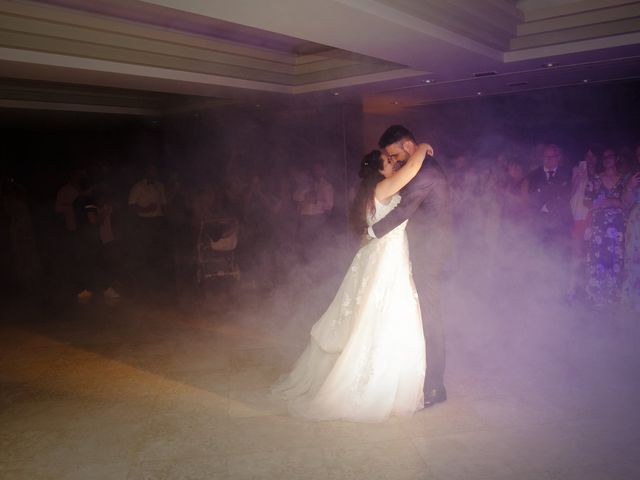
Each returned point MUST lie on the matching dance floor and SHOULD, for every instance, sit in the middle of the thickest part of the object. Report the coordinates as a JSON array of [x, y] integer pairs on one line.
[[147, 392]]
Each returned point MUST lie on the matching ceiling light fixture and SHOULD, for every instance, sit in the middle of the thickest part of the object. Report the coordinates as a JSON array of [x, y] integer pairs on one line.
[[550, 64], [585, 80], [335, 94], [395, 102], [479, 93], [429, 80]]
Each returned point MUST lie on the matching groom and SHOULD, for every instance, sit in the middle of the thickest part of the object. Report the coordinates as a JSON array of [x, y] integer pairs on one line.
[[426, 204]]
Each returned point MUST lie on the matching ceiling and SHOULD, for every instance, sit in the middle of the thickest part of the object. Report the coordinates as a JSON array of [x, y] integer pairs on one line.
[[156, 57]]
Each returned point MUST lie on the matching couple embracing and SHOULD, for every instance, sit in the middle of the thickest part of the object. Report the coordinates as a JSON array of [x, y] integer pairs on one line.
[[366, 359]]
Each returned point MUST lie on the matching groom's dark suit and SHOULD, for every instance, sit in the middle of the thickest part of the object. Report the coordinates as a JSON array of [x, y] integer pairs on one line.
[[426, 204]]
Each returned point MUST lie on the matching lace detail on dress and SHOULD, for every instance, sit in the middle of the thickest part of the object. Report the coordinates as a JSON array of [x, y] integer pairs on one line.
[[345, 312], [364, 368]]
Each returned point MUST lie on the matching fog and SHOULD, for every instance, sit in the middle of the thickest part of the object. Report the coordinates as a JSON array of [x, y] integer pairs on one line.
[[509, 324]]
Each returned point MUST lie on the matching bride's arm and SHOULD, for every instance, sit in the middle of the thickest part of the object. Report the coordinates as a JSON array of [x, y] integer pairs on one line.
[[394, 183]]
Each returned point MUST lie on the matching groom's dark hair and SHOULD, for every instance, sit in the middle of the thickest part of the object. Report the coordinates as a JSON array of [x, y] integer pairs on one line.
[[394, 134]]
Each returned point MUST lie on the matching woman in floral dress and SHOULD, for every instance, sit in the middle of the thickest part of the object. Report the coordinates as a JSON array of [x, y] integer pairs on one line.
[[631, 285], [605, 258]]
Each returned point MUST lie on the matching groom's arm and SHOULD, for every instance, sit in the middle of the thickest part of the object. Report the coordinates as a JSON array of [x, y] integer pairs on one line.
[[412, 197]]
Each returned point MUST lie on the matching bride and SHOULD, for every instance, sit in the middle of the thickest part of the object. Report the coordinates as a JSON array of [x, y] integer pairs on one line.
[[365, 360]]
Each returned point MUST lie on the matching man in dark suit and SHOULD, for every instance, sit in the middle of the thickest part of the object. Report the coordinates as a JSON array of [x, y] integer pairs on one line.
[[426, 204], [549, 195]]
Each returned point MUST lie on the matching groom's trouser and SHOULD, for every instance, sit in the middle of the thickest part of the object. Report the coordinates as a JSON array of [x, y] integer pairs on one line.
[[427, 275]]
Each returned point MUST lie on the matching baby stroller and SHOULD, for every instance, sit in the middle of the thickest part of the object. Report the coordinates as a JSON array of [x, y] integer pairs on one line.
[[217, 241]]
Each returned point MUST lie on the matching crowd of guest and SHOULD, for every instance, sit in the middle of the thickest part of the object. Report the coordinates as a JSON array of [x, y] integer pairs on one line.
[[587, 211], [118, 235], [115, 237]]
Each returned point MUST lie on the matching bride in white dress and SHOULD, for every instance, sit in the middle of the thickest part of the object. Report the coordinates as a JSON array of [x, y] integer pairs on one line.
[[365, 360]]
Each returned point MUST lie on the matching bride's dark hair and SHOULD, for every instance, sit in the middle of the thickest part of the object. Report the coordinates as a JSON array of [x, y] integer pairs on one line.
[[363, 203]]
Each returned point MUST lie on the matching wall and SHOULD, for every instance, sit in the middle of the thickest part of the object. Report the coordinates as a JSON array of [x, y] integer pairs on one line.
[[230, 140], [572, 117]]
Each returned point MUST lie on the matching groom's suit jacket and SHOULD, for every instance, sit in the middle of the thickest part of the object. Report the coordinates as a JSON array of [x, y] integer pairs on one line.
[[426, 203]]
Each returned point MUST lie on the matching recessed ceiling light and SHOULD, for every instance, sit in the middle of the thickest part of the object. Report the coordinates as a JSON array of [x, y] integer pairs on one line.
[[429, 80], [479, 93], [335, 94], [550, 64], [395, 102], [585, 80]]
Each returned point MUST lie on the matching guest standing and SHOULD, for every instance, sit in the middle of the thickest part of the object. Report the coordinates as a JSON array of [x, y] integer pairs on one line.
[[63, 252], [66, 196], [256, 238], [148, 200], [582, 174], [23, 250], [549, 192], [631, 284], [515, 207], [94, 255], [605, 259], [284, 217], [314, 212]]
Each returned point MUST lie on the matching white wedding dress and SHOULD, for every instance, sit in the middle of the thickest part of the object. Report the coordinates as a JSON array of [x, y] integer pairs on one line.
[[365, 360]]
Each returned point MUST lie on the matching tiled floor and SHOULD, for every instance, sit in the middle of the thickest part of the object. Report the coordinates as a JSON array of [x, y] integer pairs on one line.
[[144, 392]]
